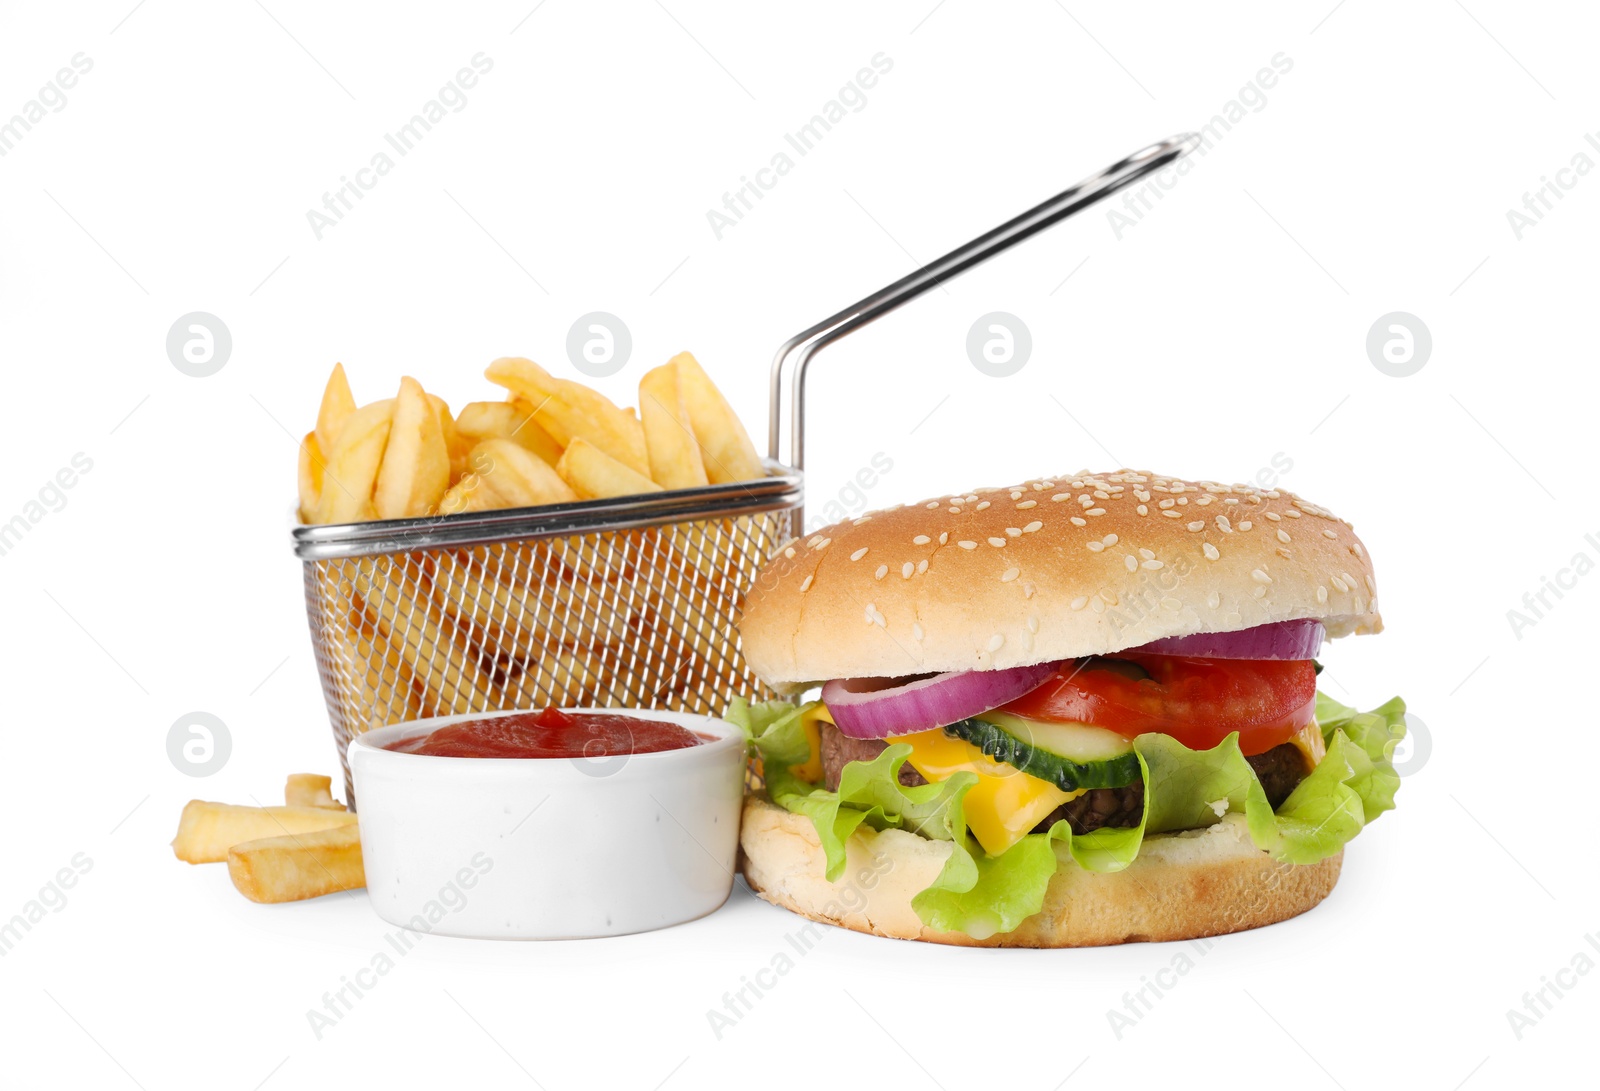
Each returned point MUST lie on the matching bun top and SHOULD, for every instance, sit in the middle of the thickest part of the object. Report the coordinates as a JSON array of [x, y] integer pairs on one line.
[[1055, 568]]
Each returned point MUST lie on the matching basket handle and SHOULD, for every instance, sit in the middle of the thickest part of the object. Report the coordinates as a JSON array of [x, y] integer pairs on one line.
[[803, 346]]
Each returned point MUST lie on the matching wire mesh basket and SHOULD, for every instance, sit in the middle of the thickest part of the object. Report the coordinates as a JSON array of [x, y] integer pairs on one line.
[[610, 603]]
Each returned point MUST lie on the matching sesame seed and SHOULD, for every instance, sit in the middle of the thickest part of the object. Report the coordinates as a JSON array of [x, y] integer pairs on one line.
[[997, 542], [1204, 500], [1016, 494], [1027, 504], [1031, 527], [922, 566], [805, 584], [906, 570], [1283, 535], [1171, 603], [1060, 496], [814, 540], [1349, 580], [1147, 554], [932, 504], [1098, 605], [1259, 592], [858, 554], [1010, 574], [1210, 551], [944, 537], [1013, 532], [1223, 524], [1173, 514], [1166, 504], [863, 519], [1292, 514], [1095, 511], [1371, 586], [968, 545], [873, 617], [825, 543], [1028, 589], [1274, 516], [995, 642], [1110, 539], [955, 511], [1259, 576], [1131, 562], [1152, 565], [1094, 547], [1080, 602], [1198, 524], [1077, 522], [883, 570], [789, 552], [916, 630], [1246, 525], [1213, 600], [1109, 597], [1355, 547], [921, 539], [1322, 594], [983, 505], [1142, 510]]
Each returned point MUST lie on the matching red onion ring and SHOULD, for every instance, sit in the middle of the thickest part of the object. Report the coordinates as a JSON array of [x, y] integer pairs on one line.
[[1280, 640], [873, 708]]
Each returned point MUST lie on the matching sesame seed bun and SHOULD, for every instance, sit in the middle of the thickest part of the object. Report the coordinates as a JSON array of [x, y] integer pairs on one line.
[[1181, 886], [1083, 564]]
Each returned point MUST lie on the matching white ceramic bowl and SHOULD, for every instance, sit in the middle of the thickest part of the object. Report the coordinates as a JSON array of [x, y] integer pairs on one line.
[[549, 848]]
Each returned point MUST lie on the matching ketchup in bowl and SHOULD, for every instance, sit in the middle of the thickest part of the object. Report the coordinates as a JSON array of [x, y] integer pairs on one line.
[[550, 733]]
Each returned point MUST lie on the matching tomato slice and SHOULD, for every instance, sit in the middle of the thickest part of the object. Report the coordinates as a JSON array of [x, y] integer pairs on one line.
[[1199, 702]]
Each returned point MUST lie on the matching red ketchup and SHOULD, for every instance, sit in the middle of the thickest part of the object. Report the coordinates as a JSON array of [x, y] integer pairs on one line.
[[551, 733]]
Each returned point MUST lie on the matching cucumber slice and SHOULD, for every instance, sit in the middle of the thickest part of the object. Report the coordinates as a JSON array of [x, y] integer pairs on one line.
[[1070, 756]]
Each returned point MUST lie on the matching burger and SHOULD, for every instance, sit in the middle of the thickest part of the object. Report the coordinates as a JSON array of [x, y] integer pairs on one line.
[[1081, 710]]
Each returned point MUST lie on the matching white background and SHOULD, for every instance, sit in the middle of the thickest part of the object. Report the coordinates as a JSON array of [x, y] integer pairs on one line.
[[1224, 329]]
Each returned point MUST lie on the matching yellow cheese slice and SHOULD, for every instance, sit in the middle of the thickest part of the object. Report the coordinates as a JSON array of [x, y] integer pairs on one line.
[[1005, 803]]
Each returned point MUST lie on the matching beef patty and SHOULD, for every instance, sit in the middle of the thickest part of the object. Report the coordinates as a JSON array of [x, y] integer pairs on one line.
[[1279, 770]]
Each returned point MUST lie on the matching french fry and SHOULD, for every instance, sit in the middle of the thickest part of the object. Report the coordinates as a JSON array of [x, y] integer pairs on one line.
[[337, 405], [310, 790], [291, 869], [312, 465], [416, 463], [593, 474], [353, 463], [511, 420], [724, 444], [431, 643], [675, 460], [206, 831], [519, 478], [569, 410], [453, 443]]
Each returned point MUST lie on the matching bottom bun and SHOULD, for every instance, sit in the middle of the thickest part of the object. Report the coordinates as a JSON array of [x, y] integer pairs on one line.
[[1182, 885]]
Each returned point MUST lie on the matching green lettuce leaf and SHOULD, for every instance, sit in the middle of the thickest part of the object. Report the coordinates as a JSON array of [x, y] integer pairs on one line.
[[984, 895]]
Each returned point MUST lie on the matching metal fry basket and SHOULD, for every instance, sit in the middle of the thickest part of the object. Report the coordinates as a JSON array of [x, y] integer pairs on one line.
[[623, 602]]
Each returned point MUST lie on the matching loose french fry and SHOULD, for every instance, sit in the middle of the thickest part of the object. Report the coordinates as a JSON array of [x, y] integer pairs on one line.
[[206, 831], [416, 463], [511, 420], [310, 790], [725, 445], [291, 869], [518, 477], [569, 410], [312, 465], [675, 461], [337, 405], [593, 474], [353, 463]]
